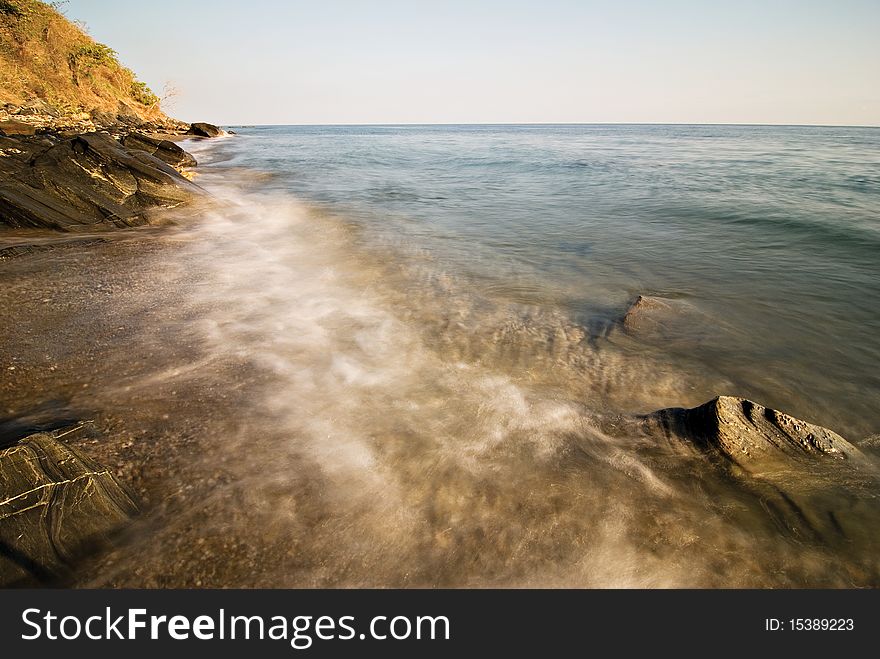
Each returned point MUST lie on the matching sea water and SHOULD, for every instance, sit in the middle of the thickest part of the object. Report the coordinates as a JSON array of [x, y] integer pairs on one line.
[[769, 235], [421, 328]]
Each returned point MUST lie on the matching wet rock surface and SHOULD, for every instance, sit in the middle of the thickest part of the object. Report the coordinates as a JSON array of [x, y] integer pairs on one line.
[[751, 435], [55, 504], [85, 181], [161, 148], [202, 129], [814, 487]]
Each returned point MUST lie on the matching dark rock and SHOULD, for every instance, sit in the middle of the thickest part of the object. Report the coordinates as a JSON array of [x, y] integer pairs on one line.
[[103, 119], [201, 129], [85, 181], [750, 435], [128, 120], [55, 504], [165, 150], [10, 128]]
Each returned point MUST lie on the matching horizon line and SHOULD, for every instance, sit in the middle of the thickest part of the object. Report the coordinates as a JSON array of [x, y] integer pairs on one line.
[[552, 123]]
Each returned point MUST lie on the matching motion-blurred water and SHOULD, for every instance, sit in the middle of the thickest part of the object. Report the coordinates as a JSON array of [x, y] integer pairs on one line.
[[394, 357], [770, 236]]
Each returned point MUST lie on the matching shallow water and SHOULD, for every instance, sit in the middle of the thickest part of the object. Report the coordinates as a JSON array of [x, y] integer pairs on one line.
[[770, 234], [395, 357]]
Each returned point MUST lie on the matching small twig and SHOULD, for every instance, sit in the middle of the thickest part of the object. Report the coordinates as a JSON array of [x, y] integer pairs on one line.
[[79, 427]]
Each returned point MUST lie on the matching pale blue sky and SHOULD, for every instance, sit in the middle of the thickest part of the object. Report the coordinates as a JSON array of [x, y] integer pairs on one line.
[[493, 61]]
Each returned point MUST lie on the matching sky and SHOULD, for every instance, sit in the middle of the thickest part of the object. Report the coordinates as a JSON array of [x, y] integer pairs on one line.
[[490, 61]]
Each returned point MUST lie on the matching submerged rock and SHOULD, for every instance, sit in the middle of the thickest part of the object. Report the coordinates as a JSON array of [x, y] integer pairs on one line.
[[201, 129], [750, 434], [85, 181], [165, 150], [55, 503], [672, 321]]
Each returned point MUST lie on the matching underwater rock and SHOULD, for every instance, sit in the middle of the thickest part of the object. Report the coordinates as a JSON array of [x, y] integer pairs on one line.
[[658, 316]]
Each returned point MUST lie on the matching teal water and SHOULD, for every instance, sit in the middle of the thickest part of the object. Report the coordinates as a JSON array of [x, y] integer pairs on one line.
[[769, 236]]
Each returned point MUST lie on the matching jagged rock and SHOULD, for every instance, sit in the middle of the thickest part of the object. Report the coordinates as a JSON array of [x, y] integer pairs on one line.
[[201, 129], [751, 435], [16, 128], [165, 150], [55, 503], [85, 181]]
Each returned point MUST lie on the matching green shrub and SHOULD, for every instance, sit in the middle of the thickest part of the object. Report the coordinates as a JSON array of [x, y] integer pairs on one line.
[[91, 54], [143, 94]]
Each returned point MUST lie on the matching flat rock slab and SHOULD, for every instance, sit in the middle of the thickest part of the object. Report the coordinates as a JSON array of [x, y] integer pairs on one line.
[[55, 503]]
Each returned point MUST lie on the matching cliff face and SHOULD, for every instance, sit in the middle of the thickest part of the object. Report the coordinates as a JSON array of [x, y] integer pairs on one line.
[[52, 74]]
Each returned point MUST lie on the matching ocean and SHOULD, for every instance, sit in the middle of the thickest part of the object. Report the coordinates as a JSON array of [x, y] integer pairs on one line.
[[767, 237], [402, 357]]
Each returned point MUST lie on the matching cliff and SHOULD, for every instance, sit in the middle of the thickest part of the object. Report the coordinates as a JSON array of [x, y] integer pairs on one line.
[[54, 75]]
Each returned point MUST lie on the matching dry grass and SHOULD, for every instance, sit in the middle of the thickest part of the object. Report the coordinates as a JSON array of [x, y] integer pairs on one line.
[[43, 55]]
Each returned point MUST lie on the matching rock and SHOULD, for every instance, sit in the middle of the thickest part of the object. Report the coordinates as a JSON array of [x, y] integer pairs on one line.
[[11, 128], [39, 107], [677, 324], [85, 181], [659, 316], [165, 150], [806, 482], [201, 129], [643, 310], [103, 119], [55, 504], [750, 435]]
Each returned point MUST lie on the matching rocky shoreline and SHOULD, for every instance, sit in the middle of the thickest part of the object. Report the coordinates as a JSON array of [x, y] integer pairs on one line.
[[112, 175], [63, 175]]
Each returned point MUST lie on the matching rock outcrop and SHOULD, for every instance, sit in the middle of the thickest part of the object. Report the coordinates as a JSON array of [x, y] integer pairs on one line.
[[201, 129], [55, 503], [84, 182], [165, 150], [751, 435], [810, 483]]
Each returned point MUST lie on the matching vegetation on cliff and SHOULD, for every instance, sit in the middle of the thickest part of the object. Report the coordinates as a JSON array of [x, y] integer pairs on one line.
[[46, 57]]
